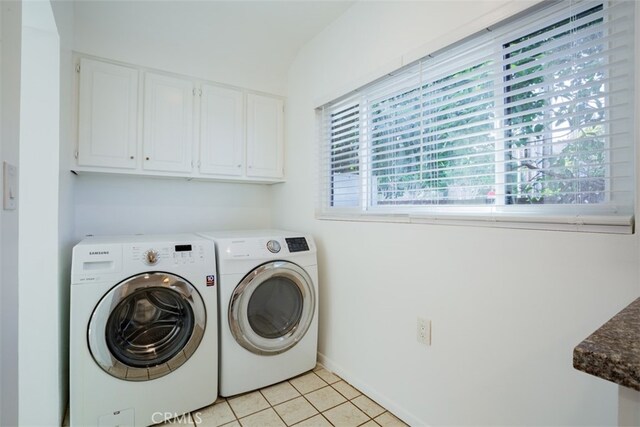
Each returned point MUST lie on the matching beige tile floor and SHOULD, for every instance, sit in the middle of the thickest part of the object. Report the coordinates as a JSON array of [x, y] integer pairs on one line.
[[315, 399]]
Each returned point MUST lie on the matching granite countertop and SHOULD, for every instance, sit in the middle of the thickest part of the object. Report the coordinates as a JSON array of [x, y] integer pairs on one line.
[[613, 351]]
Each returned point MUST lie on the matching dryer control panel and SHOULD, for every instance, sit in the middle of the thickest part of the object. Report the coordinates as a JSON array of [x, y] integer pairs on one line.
[[297, 244]]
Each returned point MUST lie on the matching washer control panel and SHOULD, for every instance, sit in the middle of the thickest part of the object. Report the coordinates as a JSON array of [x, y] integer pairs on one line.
[[151, 257], [172, 254], [273, 246]]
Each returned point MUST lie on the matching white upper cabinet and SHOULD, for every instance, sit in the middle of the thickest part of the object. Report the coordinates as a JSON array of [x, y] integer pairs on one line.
[[168, 123], [221, 131], [265, 136], [108, 115], [136, 121]]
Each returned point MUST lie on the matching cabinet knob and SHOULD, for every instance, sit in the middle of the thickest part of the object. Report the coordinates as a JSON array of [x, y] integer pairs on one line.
[[131, 157], [147, 158], [239, 166]]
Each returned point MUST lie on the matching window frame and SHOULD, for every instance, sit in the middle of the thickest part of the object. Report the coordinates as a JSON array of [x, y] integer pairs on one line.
[[599, 218]]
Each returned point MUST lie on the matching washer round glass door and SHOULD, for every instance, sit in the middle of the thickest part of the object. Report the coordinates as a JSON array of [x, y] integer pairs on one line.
[[272, 308], [146, 326]]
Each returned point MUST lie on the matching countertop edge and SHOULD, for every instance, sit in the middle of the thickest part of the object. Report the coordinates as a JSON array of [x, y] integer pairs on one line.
[[612, 352]]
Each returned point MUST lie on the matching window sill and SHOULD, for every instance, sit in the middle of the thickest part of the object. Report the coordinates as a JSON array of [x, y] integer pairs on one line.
[[621, 224]]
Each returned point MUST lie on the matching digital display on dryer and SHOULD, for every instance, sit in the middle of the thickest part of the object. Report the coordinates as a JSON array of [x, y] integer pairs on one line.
[[297, 244], [183, 248]]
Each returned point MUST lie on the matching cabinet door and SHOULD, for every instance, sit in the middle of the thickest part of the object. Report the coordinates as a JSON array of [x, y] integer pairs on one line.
[[221, 131], [265, 140], [108, 115], [168, 123]]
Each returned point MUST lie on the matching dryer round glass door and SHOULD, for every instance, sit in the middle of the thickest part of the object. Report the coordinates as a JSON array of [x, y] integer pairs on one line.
[[272, 308], [146, 326]]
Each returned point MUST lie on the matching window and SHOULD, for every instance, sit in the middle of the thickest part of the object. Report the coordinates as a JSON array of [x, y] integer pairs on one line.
[[530, 122]]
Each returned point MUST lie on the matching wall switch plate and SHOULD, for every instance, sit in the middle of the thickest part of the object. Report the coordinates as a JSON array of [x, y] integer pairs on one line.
[[424, 331], [10, 186]]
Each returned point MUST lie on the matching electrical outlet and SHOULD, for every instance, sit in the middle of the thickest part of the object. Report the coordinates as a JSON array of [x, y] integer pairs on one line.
[[424, 331]]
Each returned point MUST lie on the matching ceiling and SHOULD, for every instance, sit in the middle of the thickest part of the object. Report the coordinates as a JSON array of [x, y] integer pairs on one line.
[[242, 35]]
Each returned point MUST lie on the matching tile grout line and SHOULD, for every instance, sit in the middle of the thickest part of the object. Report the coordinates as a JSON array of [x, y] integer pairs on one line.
[[342, 403], [362, 410], [309, 402], [304, 396], [355, 397], [232, 411], [313, 406], [274, 409], [331, 407], [319, 412], [335, 406], [322, 412]]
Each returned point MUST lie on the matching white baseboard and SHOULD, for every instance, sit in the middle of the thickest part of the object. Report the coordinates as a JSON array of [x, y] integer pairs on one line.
[[374, 394]]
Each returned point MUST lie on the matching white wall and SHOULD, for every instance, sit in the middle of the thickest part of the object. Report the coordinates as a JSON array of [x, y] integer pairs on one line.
[[507, 306], [107, 204], [1, 123], [64, 13], [1, 59], [249, 44], [121, 205], [174, 37], [39, 299], [10, 130]]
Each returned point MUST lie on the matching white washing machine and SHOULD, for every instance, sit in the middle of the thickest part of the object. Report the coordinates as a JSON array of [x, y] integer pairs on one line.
[[143, 329], [268, 294]]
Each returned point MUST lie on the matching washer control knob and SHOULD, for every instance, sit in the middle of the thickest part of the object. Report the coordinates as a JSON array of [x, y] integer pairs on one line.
[[273, 246], [151, 257]]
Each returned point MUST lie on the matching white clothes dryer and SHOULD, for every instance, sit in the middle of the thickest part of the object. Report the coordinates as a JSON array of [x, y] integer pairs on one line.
[[143, 329], [268, 294]]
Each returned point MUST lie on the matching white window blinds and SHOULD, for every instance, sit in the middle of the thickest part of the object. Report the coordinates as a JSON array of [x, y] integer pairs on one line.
[[531, 122]]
